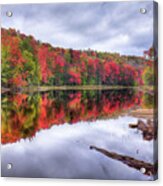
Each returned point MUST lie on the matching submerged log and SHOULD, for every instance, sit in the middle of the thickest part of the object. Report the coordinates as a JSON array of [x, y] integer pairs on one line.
[[148, 168], [133, 125]]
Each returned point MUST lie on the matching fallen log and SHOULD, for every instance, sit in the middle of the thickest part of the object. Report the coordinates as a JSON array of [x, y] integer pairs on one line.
[[148, 168]]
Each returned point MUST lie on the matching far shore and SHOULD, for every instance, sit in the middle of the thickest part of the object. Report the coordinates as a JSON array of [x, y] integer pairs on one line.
[[75, 87], [143, 113]]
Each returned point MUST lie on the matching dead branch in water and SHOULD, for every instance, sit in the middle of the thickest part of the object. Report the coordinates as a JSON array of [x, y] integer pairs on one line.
[[149, 169]]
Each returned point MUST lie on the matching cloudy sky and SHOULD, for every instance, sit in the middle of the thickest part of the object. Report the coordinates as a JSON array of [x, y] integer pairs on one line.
[[109, 26]]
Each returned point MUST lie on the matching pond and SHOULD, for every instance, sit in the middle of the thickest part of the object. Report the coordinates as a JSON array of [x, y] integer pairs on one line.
[[78, 134]]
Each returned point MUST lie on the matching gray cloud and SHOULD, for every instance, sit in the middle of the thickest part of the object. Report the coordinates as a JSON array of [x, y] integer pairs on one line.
[[109, 26]]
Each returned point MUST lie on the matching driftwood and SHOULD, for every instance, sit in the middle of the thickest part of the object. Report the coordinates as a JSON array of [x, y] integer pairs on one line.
[[149, 129], [146, 168]]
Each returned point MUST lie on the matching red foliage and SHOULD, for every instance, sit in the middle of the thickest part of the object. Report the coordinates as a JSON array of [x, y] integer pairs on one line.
[[43, 52], [77, 67], [75, 77]]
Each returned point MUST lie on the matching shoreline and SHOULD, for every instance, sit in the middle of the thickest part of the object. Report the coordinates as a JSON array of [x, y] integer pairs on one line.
[[75, 87]]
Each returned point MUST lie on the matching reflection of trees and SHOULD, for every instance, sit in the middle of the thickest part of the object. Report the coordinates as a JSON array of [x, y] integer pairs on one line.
[[19, 116], [148, 168], [23, 115], [148, 100]]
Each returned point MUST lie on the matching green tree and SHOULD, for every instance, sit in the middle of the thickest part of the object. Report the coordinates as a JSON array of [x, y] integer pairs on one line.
[[148, 76], [6, 70], [31, 67]]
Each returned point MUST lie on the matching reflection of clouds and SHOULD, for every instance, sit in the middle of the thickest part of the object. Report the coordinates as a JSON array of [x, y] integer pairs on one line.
[[63, 151], [113, 26]]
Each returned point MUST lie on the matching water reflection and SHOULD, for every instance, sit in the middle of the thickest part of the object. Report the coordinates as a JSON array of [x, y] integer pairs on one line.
[[23, 115], [49, 134], [63, 152]]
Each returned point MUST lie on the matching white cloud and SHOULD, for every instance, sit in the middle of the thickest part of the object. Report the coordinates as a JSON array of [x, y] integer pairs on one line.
[[114, 44]]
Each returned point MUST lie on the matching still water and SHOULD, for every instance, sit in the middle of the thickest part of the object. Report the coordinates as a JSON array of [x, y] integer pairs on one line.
[[51, 134]]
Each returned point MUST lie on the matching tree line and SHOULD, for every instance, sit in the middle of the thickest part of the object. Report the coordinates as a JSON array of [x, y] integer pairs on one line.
[[28, 62]]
